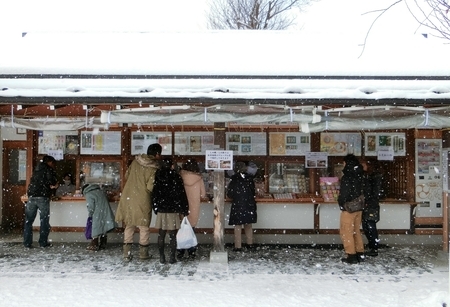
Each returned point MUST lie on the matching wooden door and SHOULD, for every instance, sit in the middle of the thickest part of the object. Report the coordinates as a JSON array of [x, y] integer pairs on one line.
[[14, 185]]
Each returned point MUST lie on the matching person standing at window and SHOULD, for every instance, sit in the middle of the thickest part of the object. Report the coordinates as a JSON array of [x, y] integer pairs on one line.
[[134, 208], [241, 190], [195, 191], [371, 213], [43, 184], [350, 223], [169, 202], [101, 213]]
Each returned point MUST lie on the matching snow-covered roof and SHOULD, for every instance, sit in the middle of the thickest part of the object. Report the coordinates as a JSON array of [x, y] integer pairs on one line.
[[216, 67]]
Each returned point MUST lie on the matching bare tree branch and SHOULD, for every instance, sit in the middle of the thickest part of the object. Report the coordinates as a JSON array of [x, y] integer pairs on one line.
[[433, 14], [252, 14], [373, 23]]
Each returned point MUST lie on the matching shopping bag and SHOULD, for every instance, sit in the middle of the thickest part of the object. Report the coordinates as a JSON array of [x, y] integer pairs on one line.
[[186, 236], [88, 229]]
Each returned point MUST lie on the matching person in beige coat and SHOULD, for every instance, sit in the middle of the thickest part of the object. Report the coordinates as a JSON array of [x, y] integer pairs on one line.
[[134, 208], [195, 191]]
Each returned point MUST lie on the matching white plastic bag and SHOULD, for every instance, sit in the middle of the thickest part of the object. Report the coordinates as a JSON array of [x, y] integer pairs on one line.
[[186, 237]]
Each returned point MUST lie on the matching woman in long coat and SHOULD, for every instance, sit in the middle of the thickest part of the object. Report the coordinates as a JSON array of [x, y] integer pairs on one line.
[[101, 213], [169, 202], [195, 191], [241, 190], [134, 208]]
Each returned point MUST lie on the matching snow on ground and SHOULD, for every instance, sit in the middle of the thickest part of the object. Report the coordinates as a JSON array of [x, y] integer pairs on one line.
[[273, 275]]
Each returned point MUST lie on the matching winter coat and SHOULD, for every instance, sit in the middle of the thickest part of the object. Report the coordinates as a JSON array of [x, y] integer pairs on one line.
[[195, 190], [351, 183], [99, 209], [241, 190], [372, 187], [43, 177], [168, 193], [135, 202]]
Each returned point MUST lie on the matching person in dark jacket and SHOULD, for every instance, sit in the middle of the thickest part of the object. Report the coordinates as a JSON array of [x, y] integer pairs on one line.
[[350, 223], [43, 184], [371, 213], [169, 202], [241, 190], [101, 213]]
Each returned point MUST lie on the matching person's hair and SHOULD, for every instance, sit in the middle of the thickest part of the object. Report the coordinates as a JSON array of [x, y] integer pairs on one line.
[[47, 159], [154, 149], [191, 165], [68, 175], [240, 167], [166, 163], [351, 160]]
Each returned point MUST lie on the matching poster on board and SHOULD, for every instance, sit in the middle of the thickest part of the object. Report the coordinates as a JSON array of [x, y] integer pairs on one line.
[[193, 143], [289, 143], [141, 140], [101, 143], [246, 143], [340, 144]]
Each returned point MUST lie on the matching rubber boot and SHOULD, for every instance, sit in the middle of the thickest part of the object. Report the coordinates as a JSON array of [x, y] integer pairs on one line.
[[180, 254], [191, 252], [361, 257], [103, 241], [161, 238], [143, 252], [127, 252], [93, 246], [173, 247], [350, 259]]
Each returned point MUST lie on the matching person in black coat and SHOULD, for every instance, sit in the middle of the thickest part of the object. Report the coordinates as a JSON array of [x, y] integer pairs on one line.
[[350, 223], [169, 202], [43, 184], [241, 190], [371, 213]]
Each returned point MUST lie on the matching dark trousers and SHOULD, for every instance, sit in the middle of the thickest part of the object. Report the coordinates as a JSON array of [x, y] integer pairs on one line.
[[371, 232], [33, 205]]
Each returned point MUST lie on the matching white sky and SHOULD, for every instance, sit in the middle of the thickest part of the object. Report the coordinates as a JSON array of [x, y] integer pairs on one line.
[[182, 15]]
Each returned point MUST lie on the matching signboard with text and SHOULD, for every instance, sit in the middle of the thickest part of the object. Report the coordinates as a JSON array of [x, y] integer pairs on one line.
[[219, 160]]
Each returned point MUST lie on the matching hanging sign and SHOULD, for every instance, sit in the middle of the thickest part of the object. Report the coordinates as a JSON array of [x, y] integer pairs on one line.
[[386, 155], [219, 159]]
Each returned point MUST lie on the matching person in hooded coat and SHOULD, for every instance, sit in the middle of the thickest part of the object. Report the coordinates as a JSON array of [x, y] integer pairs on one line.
[[241, 190], [350, 223], [169, 202], [195, 191], [101, 213], [134, 208]]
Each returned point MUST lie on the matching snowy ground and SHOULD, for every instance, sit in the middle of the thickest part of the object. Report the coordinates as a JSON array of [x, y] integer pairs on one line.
[[67, 275]]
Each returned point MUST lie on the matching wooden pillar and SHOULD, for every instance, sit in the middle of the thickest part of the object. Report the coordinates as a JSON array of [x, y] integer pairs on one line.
[[218, 254]]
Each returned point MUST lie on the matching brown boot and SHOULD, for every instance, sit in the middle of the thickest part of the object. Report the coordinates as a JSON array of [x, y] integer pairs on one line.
[[93, 246], [127, 252], [143, 252]]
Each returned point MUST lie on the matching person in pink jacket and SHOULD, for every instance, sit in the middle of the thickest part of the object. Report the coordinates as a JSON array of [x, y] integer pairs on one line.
[[195, 191]]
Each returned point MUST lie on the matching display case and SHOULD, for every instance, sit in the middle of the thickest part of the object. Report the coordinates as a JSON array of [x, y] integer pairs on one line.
[[288, 179], [106, 174]]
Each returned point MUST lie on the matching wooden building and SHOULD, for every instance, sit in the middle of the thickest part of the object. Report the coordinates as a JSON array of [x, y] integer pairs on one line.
[[294, 111]]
